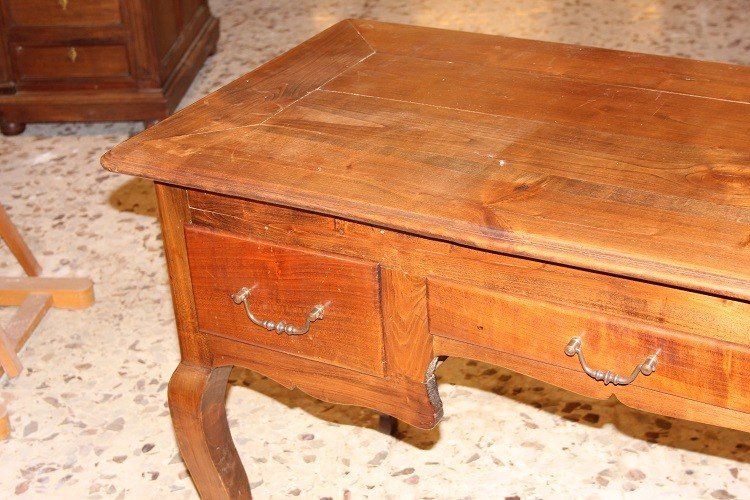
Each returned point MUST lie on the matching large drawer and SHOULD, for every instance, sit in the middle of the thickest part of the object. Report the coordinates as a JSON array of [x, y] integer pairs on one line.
[[695, 367], [64, 12], [286, 284], [62, 62]]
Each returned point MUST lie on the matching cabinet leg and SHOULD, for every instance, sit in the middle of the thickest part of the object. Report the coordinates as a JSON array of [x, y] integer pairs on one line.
[[197, 404], [12, 128], [150, 123]]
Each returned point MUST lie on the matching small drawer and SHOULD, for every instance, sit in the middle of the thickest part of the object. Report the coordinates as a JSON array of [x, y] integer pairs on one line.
[[65, 12], [286, 285], [690, 366], [71, 61]]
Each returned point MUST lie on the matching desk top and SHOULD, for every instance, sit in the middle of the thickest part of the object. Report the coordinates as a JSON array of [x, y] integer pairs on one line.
[[624, 163]]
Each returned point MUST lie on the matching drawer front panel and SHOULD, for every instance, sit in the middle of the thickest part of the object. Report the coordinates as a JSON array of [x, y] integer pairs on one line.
[[286, 284], [80, 61], [697, 368], [65, 12]]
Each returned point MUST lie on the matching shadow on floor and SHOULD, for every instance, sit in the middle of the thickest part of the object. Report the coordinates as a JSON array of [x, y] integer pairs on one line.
[[459, 373], [137, 196]]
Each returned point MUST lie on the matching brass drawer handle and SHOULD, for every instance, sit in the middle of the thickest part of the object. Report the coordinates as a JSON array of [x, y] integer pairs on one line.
[[647, 367], [63, 4], [315, 313], [72, 54]]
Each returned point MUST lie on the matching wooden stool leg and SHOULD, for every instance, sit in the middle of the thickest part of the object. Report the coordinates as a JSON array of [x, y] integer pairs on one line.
[[197, 403], [8, 357], [17, 246], [4, 421]]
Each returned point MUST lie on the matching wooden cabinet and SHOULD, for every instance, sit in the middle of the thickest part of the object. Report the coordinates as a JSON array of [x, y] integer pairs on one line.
[[108, 60]]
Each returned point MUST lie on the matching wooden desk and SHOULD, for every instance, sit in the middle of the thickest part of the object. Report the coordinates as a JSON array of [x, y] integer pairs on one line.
[[396, 194]]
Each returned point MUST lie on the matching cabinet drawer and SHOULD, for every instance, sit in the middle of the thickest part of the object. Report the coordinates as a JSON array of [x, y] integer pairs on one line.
[[68, 61], [690, 366], [64, 12], [286, 284]]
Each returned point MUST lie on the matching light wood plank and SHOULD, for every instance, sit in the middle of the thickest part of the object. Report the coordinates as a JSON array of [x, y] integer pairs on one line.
[[578, 62], [8, 357], [4, 422], [684, 119], [17, 245], [67, 293], [27, 318]]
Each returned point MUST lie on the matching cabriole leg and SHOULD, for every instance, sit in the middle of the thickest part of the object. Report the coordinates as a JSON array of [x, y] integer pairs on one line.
[[197, 404]]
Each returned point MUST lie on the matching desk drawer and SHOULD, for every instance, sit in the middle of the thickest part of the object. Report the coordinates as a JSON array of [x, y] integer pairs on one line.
[[64, 12], [286, 284], [61, 62], [695, 367]]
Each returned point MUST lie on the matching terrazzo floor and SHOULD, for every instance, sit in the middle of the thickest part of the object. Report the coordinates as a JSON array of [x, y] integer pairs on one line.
[[89, 412]]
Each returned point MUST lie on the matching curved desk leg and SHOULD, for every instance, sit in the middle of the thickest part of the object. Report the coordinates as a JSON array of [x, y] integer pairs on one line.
[[197, 404]]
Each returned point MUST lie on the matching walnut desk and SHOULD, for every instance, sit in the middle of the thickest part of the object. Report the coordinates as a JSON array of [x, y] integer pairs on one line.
[[384, 195]]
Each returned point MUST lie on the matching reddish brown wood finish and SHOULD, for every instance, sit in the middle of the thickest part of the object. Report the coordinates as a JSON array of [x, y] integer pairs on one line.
[[467, 195], [531, 164], [17, 245], [87, 60], [196, 401], [286, 284], [71, 61], [80, 13], [604, 295], [196, 398], [532, 329]]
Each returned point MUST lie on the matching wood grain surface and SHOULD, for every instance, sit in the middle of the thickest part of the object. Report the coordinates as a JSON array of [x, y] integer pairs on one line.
[[197, 404], [691, 367], [674, 309], [601, 166], [455, 194], [174, 214], [286, 284], [520, 314], [79, 13]]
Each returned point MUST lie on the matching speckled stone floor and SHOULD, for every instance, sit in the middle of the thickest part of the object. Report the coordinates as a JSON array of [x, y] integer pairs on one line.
[[89, 412]]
